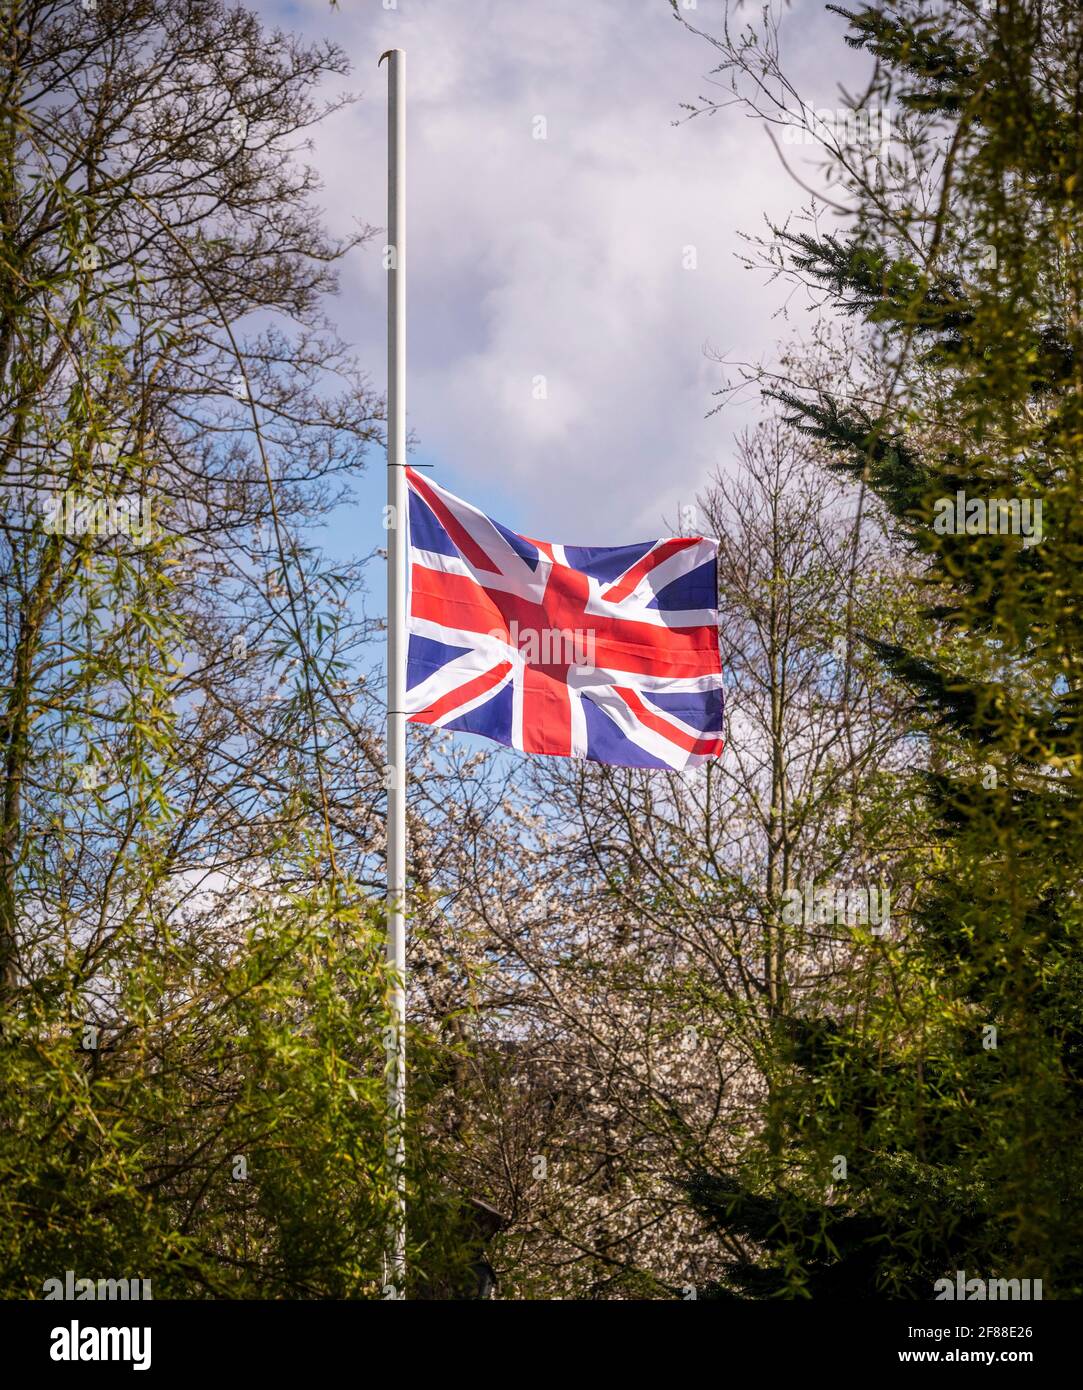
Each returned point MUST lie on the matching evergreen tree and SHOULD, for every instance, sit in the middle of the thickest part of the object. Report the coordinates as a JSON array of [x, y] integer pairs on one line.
[[935, 1123]]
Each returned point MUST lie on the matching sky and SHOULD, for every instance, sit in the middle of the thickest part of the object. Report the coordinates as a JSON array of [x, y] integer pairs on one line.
[[572, 247]]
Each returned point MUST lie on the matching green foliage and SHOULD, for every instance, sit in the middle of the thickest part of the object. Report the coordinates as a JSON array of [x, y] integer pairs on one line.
[[193, 995], [951, 1084], [227, 1137]]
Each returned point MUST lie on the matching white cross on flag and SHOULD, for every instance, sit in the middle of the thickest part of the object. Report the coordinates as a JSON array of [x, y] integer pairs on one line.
[[604, 652]]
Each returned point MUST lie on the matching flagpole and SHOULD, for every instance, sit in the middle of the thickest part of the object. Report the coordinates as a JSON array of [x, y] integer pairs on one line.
[[396, 657]]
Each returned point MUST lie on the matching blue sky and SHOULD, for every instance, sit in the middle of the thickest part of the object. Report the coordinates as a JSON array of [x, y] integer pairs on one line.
[[564, 257]]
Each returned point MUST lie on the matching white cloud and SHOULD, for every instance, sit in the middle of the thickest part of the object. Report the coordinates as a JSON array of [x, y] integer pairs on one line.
[[559, 257]]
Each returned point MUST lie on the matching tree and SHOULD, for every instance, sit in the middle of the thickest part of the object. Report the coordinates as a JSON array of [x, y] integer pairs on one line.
[[193, 995], [637, 958], [952, 1091]]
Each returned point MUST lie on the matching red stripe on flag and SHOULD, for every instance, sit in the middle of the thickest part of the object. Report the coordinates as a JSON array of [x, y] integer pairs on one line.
[[471, 552], [547, 713], [454, 601], [619, 644], [707, 746], [629, 581], [460, 696]]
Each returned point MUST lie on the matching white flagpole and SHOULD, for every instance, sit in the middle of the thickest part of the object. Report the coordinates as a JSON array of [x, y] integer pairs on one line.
[[396, 654]]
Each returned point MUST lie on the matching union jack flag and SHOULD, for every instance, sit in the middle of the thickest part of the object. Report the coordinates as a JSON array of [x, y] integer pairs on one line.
[[605, 652]]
